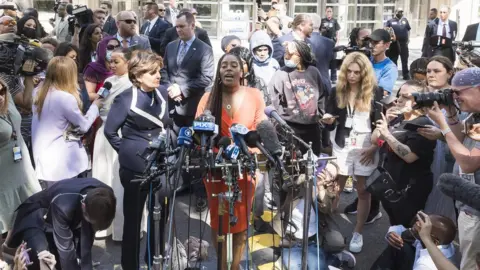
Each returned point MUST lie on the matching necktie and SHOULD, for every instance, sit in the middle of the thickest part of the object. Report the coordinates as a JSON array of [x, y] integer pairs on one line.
[[147, 29], [181, 53], [444, 31], [125, 43]]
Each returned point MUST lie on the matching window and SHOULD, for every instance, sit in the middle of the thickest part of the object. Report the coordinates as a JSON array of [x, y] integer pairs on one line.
[[305, 9], [44, 5]]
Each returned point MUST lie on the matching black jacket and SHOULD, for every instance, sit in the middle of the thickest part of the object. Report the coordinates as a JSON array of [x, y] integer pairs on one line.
[[110, 26], [431, 31], [156, 34], [332, 108], [471, 32], [172, 35], [58, 209]]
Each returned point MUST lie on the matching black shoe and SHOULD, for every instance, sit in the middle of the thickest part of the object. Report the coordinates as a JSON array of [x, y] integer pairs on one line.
[[260, 225], [351, 209], [373, 216], [406, 77], [201, 204]]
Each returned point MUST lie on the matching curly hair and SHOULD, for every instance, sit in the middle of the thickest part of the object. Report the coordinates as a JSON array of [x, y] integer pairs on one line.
[[368, 82]]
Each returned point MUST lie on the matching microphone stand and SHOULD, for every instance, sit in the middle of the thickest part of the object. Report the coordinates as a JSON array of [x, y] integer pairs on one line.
[[308, 202]]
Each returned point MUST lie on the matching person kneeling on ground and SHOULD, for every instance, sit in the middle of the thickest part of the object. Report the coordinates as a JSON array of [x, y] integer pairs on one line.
[[59, 223], [410, 249]]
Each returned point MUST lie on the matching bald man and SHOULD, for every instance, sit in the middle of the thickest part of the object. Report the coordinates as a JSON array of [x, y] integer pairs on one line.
[[127, 32], [406, 251], [7, 25]]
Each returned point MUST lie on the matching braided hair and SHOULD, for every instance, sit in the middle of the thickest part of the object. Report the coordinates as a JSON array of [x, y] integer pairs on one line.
[[305, 52], [352, 39]]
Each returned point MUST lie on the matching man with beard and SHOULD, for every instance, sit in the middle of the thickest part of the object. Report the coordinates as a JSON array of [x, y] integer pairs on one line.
[[401, 27], [126, 24]]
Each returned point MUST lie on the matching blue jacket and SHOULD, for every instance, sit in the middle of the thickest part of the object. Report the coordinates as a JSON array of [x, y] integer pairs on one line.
[[386, 72]]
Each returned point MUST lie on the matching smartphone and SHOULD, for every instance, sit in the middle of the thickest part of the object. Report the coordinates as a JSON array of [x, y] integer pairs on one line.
[[412, 127], [333, 116], [378, 111]]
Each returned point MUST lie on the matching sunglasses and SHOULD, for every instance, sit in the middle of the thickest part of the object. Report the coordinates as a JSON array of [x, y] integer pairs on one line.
[[161, 10], [111, 47], [9, 23], [129, 21]]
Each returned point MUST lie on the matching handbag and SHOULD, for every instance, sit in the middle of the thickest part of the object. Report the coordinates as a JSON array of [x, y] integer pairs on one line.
[[381, 184]]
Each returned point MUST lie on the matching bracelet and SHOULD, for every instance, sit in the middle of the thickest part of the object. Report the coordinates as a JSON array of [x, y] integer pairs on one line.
[[444, 132]]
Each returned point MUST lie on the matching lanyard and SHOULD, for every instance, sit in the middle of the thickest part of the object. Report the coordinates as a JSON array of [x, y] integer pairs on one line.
[[350, 113], [10, 122]]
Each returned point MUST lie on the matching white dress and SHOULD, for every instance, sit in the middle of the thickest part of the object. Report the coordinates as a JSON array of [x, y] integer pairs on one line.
[[105, 165], [348, 157]]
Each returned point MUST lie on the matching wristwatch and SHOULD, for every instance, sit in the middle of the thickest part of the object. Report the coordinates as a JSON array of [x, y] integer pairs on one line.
[[445, 131]]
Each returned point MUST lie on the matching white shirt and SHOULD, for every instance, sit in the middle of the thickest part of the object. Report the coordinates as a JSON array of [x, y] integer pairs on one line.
[[152, 23], [423, 261], [440, 28]]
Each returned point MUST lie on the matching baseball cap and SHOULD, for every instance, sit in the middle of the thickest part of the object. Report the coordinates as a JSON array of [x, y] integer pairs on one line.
[[380, 35]]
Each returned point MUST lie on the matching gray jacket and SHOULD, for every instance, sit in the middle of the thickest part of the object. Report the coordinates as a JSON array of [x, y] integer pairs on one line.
[[266, 68]]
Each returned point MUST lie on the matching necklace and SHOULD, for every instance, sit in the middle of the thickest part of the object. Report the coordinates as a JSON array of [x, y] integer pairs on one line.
[[229, 107]]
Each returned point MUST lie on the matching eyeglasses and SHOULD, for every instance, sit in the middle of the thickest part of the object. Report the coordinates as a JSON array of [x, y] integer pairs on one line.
[[111, 47], [129, 21], [9, 23]]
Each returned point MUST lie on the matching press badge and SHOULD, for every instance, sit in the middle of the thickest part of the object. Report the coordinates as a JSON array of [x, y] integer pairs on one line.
[[17, 154], [349, 122]]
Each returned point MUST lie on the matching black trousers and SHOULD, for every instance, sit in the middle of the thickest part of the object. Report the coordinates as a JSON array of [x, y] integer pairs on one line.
[[333, 68], [191, 179], [133, 203], [402, 51], [308, 133], [395, 259]]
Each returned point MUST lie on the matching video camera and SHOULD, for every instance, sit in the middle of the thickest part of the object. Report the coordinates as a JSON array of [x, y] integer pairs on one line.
[[81, 17], [347, 50], [19, 56]]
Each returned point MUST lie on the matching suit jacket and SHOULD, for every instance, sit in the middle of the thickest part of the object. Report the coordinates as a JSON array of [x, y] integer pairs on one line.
[[58, 210], [322, 48], [194, 75], [172, 35], [431, 30], [141, 42], [471, 32], [156, 34], [110, 26], [61, 30]]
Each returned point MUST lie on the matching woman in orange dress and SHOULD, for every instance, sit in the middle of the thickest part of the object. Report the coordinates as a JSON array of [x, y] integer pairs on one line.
[[232, 103]]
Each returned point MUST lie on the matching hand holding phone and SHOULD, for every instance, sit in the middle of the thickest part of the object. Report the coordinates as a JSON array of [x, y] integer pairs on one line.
[[412, 126], [328, 119]]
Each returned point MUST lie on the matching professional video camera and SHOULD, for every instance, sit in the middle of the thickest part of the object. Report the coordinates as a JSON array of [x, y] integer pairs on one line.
[[467, 55], [19, 56], [442, 97], [347, 50], [81, 17]]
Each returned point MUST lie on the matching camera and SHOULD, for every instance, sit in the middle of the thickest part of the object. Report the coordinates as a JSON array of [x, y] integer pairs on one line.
[[82, 16], [442, 97], [347, 50], [19, 56]]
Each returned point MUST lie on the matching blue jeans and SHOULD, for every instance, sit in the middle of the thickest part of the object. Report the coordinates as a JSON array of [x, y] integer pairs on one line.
[[312, 261]]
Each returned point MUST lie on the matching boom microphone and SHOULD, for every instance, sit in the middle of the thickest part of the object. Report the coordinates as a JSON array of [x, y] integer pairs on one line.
[[267, 133], [272, 113], [460, 189]]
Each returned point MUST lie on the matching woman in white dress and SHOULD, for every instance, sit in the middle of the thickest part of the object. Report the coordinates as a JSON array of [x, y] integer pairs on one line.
[[350, 114], [105, 165]]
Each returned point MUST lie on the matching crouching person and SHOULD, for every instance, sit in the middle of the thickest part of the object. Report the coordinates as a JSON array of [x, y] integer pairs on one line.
[[58, 224]]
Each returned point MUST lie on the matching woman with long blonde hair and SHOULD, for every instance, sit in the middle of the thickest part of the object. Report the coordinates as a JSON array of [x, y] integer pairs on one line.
[[58, 123], [350, 113]]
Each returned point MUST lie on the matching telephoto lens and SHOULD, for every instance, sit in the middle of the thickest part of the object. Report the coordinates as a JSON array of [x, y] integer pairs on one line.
[[442, 97]]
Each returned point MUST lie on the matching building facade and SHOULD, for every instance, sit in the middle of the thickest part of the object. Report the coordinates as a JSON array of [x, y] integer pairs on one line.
[[223, 17]]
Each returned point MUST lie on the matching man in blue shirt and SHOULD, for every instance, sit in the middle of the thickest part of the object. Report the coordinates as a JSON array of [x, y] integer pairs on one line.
[[385, 70]]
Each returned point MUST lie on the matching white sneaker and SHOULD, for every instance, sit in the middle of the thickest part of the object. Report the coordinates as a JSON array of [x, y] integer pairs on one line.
[[346, 258], [356, 243]]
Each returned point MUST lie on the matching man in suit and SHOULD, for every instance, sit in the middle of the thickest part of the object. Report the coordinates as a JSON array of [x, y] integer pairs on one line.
[[61, 24], [99, 17], [443, 30], [302, 28], [154, 27], [110, 26], [472, 34], [171, 35], [126, 24], [171, 12], [432, 15], [161, 13], [322, 48], [189, 70], [62, 219]]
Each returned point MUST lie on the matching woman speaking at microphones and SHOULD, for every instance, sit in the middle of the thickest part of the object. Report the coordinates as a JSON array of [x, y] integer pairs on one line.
[[232, 103], [139, 113]]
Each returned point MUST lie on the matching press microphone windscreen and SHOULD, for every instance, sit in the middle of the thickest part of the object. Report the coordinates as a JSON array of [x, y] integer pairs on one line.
[[268, 111], [460, 189], [69, 9], [224, 141], [251, 138], [269, 137], [107, 85]]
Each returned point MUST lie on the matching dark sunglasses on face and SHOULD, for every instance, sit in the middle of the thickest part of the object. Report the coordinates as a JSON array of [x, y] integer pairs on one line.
[[161, 10], [111, 47], [9, 23], [129, 21]]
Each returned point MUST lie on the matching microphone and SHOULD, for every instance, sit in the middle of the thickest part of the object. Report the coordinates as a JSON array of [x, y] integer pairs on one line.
[[232, 152], [272, 144], [184, 142], [460, 189], [272, 113], [105, 90], [222, 145], [205, 126], [253, 140], [238, 132]]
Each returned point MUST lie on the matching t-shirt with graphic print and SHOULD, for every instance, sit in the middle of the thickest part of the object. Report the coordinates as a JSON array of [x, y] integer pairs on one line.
[[298, 96]]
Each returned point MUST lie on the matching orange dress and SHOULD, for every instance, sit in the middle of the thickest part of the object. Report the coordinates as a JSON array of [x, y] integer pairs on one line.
[[250, 114]]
